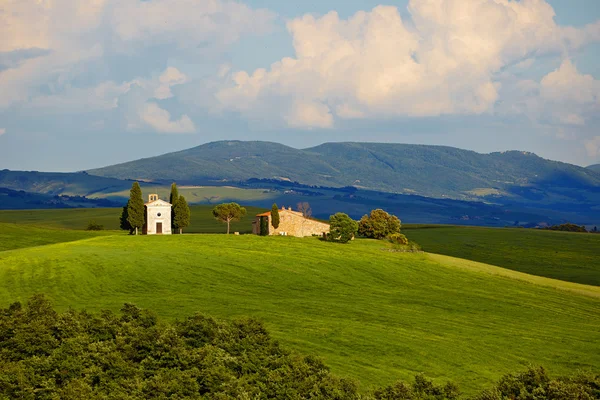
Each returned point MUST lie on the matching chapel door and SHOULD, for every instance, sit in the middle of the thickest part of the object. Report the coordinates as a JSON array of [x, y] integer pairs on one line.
[[159, 228]]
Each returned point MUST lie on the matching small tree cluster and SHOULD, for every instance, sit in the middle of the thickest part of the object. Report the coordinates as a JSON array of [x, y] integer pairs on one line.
[[568, 227], [94, 226], [378, 225]]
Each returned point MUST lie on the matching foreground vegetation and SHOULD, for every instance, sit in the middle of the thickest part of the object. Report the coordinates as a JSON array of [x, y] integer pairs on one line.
[[373, 315], [566, 256], [133, 355]]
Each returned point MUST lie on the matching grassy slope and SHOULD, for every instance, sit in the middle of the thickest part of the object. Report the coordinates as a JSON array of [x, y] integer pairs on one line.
[[202, 219], [567, 256], [14, 236], [374, 315]]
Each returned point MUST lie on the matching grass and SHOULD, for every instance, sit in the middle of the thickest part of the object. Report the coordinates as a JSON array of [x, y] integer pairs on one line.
[[567, 256], [13, 236], [373, 315], [78, 219]]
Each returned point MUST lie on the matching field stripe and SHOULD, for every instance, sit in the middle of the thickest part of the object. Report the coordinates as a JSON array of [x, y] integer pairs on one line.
[[586, 290]]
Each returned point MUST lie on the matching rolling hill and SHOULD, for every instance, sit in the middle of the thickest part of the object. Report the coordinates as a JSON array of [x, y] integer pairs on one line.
[[373, 314], [433, 171], [595, 168]]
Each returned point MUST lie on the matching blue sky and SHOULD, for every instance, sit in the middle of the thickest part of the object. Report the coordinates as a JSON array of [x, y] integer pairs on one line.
[[88, 84]]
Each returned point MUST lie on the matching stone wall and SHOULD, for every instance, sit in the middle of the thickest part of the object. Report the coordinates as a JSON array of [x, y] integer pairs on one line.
[[292, 223]]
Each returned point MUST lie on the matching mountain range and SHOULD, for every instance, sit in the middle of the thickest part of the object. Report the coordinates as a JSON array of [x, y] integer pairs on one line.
[[432, 171]]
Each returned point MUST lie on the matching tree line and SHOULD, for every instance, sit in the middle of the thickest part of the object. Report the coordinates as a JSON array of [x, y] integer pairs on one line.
[[132, 354]]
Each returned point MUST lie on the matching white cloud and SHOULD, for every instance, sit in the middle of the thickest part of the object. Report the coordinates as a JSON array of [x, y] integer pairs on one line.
[[445, 61], [2, 131], [160, 120], [171, 77], [56, 41], [593, 146]]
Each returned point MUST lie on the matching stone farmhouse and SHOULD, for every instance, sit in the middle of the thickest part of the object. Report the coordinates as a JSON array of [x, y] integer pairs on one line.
[[158, 216], [291, 223]]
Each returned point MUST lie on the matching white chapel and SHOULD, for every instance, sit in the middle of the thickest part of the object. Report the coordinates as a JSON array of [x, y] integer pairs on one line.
[[158, 216]]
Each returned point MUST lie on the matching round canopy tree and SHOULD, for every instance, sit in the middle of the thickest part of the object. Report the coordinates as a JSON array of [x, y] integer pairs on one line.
[[228, 212], [378, 225]]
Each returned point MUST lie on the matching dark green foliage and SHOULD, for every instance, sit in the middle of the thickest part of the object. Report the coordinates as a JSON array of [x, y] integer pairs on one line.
[[228, 212], [567, 228], [182, 217], [536, 384], [133, 355], [94, 226], [398, 238], [378, 225], [342, 228], [123, 220], [173, 199], [421, 389], [136, 213], [594, 230], [275, 216], [264, 226]]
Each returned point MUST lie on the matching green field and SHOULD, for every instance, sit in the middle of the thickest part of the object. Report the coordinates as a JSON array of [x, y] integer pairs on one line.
[[13, 236], [573, 257], [78, 219], [373, 315]]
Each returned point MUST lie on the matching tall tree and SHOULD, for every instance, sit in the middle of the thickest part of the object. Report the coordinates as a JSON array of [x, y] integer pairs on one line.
[[182, 214], [275, 216], [136, 213], [173, 198], [228, 212], [123, 223]]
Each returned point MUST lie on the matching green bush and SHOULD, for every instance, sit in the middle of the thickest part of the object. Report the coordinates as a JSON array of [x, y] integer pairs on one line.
[[398, 238], [94, 226], [378, 225], [342, 228]]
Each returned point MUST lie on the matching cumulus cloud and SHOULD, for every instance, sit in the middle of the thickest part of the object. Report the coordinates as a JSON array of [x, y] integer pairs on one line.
[[160, 120], [374, 64], [593, 146], [54, 48]]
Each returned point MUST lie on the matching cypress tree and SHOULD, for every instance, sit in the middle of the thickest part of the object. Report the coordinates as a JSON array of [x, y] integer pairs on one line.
[[275, 216], [136, 213], [173, 199], [123, 222], [264, 226], [182, 214]]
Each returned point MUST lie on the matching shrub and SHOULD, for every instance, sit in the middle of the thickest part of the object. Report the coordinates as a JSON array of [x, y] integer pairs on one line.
[[378, 225], [398, 238], [342, 228], [94, 226], [133, 355]]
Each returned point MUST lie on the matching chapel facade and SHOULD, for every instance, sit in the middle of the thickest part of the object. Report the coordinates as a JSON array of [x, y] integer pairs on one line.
[[158, 216]]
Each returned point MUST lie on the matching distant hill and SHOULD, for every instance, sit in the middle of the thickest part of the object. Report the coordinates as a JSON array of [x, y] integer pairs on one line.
[[595, 168], [434, 171], [59, 183], [21, 200]]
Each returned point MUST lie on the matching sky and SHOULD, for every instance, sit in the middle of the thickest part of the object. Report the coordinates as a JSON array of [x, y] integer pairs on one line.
[[90, 84]]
